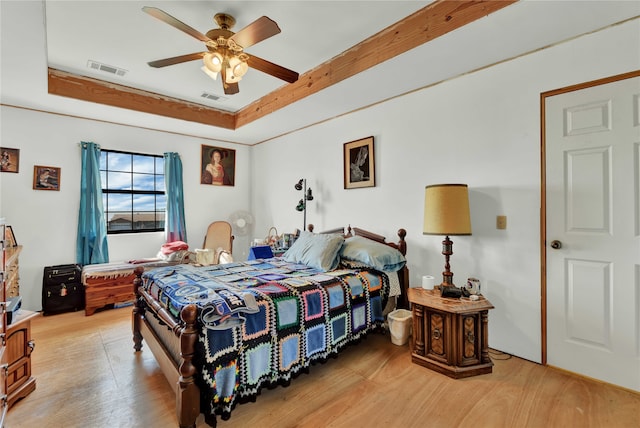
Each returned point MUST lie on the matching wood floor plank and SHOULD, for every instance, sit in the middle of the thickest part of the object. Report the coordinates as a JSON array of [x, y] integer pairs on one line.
[[88, 375]]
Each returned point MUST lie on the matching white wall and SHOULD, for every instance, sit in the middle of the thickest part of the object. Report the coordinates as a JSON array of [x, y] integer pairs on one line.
[[45, 222], [482, 129]]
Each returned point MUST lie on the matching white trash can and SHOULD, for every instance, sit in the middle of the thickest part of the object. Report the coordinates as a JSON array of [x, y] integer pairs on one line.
[[399, 326]]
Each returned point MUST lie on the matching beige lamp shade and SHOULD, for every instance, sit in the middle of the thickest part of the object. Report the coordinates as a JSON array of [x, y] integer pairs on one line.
[[446, 210]]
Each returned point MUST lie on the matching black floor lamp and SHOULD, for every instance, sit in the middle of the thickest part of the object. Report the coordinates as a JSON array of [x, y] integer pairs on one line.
[[306, 196]]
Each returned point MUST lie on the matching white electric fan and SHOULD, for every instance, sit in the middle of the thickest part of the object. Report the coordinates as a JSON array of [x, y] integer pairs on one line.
[[241, 222]]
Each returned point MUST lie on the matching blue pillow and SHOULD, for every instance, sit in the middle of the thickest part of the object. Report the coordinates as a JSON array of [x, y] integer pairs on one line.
[[375, 254], [320, 251]]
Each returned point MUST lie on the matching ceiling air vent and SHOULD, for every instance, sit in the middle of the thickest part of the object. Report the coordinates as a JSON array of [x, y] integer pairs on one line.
[[213, 97], [106, 68]]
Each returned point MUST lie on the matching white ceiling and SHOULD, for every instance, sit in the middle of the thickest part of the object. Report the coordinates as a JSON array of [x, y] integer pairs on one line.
[[312, 32], [67, 34]]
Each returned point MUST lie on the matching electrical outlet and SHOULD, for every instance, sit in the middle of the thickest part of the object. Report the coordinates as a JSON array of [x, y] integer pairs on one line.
[[501, 222]]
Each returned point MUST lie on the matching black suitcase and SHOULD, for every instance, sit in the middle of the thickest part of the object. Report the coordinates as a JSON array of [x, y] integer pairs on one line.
[[62, 289]]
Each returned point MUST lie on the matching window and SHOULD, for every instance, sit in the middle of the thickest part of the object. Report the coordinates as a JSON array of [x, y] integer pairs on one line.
[[133, 191]]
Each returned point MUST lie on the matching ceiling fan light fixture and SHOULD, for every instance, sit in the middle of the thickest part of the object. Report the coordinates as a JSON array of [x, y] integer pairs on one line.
[[209, 73], [225, 53], [237, 67], [213, 61], [241, 68], [231, 78]]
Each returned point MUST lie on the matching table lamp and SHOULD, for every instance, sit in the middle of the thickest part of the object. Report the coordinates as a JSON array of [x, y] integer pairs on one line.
[[446, 212]]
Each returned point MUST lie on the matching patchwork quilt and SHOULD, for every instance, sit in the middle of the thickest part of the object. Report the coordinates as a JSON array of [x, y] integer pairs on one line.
[[263, 321]]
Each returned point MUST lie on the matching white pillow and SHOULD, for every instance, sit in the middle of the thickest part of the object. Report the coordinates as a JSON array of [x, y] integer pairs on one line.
[[320, 251], [375, 254]]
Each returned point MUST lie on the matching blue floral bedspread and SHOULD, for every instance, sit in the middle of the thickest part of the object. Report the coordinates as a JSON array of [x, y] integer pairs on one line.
[[266, 320]]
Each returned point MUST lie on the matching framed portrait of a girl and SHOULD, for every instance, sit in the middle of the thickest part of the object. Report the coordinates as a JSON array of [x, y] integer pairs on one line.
[[46, 177], [218, 166]]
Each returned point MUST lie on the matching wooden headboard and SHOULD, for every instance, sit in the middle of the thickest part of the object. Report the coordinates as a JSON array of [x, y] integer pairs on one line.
[[401, 245]]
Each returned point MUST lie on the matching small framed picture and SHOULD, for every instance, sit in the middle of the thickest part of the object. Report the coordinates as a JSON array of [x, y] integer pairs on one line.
[[46, 177], [9, 159], [10, 237], [218, 166], [359, 166]]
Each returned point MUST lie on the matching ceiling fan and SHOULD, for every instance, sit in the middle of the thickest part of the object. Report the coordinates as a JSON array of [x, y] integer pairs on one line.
[[225, 49]]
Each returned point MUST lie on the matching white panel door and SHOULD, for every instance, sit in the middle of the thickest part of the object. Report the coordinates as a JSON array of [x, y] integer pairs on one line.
[[592, 194]]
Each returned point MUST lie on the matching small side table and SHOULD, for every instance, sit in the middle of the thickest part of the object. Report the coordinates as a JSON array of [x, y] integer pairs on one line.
[[450, 336]]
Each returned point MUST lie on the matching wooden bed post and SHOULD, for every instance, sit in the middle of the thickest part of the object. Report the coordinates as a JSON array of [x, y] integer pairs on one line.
[[402, 244], [188, 395], [187, 392], [403, 274], [138, 311]]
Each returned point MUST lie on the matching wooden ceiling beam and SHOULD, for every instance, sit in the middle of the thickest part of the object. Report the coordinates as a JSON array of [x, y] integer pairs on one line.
[[432, 21], [102, 92]]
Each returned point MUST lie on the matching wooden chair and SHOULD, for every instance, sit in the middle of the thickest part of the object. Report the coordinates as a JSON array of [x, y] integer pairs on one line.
[[219, 236]]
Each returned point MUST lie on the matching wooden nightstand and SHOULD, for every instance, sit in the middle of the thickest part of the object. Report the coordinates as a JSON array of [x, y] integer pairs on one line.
[[450, 336]]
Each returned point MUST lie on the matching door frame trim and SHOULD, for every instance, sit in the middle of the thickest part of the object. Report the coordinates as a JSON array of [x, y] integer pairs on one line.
[[543, 191]]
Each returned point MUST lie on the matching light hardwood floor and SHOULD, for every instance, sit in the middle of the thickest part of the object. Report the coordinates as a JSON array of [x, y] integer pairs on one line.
[[89, 376]]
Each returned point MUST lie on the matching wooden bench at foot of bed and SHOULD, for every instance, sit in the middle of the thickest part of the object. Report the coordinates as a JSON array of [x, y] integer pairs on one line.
[[110, 283], [100, 292]]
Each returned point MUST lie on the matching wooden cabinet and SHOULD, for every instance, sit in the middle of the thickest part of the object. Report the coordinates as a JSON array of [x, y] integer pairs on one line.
[[19, 346], [450, 336], [12, 271], [3, 323], [9, 253], [15, 351]]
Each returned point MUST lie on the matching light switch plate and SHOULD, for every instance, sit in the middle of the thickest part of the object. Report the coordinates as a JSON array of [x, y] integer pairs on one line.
[[501, 222]]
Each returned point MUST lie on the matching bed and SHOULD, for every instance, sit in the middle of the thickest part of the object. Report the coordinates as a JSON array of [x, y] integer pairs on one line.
[[221, 333]]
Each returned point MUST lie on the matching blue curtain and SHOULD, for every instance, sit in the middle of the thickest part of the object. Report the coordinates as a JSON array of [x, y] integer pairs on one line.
[[91, 243], [174, 226]]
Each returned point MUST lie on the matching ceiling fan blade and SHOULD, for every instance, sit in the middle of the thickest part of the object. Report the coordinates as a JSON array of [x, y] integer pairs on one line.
[[165, 17], [273, 69], [231, 88], [259, 30], [176, 60]]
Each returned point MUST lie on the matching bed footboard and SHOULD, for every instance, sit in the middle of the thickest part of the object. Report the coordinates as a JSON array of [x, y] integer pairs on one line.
[[180, 374]]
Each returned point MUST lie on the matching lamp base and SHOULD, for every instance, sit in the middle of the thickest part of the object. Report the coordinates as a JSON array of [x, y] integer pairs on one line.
[[450, 291], [447, 288], [453, 291]]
